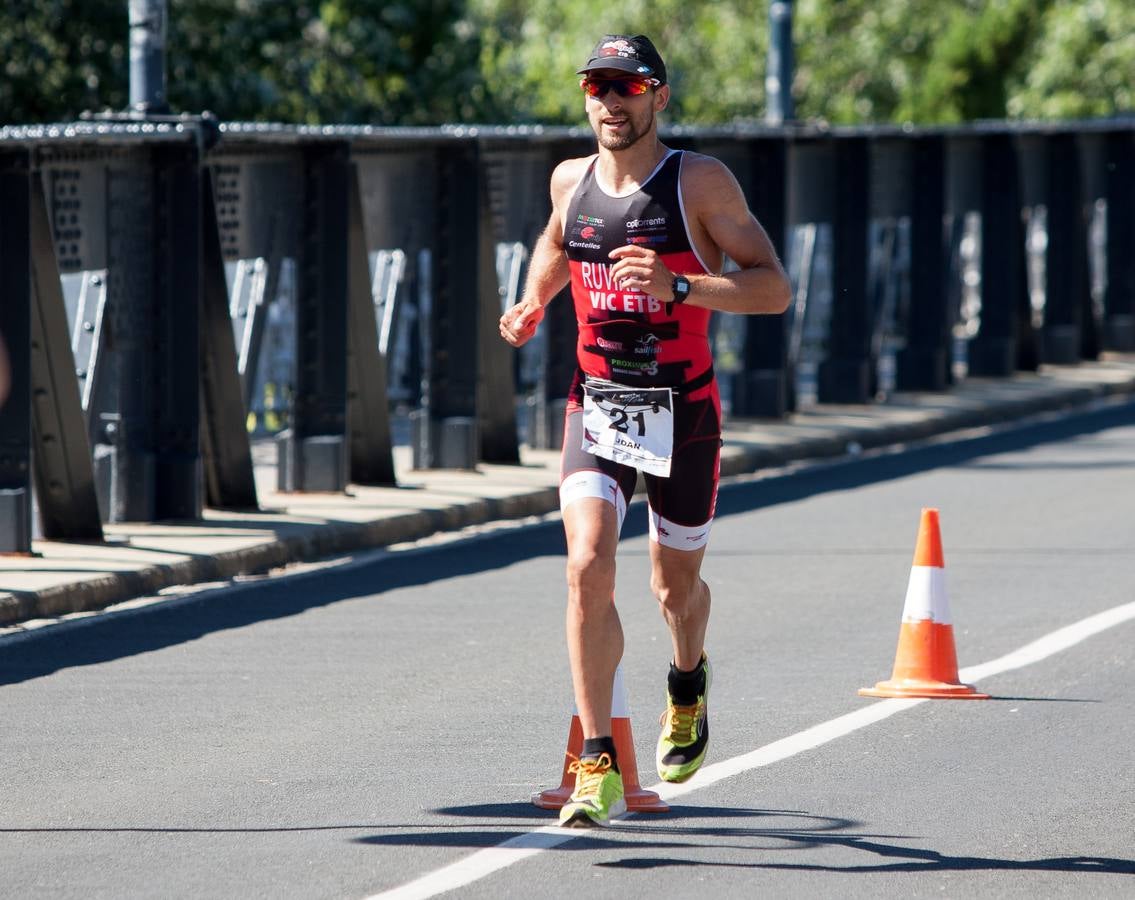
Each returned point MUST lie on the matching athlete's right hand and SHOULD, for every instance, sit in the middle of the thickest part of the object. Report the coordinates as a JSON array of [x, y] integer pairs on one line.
[[519, 322]]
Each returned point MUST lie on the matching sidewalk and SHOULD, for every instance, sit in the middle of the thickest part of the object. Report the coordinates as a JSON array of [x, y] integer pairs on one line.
[[141, 559]]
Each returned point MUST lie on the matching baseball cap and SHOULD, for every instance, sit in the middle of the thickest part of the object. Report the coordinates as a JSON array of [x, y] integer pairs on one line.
[[633, 54]]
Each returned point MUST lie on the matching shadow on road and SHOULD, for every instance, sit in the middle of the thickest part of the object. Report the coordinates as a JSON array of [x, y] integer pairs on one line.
[[675, 831]]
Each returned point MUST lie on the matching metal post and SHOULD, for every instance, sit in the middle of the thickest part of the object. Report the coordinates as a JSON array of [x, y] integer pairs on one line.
[[15, 325], [778, 74], [764, 385], [924, 363], [177, 247], [1119, 293], [450, 393], [147, 56], [1065, 254], [846, 375], [496, 411], [993, 350], [314, 450]]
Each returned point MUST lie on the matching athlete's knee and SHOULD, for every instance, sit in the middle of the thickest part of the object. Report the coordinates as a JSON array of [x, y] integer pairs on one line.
[[590, 574]]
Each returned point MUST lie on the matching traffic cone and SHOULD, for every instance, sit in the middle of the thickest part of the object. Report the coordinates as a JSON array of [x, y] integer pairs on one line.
[[926, 663], [637, 799]]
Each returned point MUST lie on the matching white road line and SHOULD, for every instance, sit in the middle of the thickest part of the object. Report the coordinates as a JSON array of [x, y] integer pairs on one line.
[[493, 859]]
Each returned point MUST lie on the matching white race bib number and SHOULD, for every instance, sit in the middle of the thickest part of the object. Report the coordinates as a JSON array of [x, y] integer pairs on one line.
[[633, 426]]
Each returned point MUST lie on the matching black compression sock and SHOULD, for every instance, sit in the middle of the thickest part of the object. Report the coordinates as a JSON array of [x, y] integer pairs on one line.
[[686, 687], [593, 748]]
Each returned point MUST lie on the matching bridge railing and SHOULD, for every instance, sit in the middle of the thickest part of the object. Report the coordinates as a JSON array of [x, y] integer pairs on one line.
[[174, 287]]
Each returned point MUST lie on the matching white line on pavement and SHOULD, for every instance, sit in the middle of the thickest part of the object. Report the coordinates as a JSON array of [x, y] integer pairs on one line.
[[484, 862]]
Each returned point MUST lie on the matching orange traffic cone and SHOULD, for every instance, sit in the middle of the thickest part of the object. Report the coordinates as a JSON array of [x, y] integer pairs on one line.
[[638, 799], [926, 664]]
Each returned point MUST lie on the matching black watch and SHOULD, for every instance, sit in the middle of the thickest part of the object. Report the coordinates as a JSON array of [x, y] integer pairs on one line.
[[681, 288]]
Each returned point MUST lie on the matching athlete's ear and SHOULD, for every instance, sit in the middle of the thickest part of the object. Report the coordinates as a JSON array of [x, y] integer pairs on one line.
[[661, 97]]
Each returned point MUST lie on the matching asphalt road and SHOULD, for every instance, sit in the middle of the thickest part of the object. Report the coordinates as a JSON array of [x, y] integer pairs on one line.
[[357, 727]]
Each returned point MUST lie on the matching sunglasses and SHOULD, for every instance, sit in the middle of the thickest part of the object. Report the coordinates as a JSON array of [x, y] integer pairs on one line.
[[624, 87]]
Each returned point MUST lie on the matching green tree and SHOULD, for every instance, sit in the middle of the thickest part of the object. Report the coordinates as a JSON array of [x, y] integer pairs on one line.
[[435, 61], [1082, 63], [714, 53], [60, 57], [973, 65], [359, 61]]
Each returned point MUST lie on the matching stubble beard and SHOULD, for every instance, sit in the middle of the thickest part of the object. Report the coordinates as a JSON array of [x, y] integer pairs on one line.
[[632, 136]]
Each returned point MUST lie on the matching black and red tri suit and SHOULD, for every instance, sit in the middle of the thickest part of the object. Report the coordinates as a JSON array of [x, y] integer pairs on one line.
[[633, 339]]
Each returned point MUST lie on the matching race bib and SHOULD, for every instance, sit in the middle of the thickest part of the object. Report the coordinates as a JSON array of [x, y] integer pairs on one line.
[[633, 426]]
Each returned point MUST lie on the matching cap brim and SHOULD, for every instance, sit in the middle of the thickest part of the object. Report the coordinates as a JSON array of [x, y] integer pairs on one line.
[[618, 63]]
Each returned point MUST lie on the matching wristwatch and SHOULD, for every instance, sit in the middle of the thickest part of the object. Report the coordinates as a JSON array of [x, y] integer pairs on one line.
[[681, 288]]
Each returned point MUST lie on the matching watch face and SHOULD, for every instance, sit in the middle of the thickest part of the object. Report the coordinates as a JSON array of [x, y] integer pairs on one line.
[[681, 288]]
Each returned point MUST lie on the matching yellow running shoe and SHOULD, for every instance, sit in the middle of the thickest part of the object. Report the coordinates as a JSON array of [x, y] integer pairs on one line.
[[685, 735], [598, 794]]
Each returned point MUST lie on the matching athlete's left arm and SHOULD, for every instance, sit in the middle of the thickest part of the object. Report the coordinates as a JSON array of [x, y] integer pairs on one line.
[[719, 220]]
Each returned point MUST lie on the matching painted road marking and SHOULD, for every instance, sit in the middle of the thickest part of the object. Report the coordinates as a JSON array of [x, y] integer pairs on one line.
[[485, 862]]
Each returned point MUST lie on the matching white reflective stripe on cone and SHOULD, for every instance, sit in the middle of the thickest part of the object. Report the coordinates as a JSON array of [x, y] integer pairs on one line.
[[620, 709], [926, 596]]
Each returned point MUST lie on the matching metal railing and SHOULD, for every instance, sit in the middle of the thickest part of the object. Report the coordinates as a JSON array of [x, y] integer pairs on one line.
[[174, 284]]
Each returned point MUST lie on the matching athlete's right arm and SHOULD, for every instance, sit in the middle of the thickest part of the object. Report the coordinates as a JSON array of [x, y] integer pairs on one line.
[[548, 270]]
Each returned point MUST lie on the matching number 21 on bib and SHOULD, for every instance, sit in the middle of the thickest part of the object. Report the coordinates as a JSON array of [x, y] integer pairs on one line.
[[633, 426]]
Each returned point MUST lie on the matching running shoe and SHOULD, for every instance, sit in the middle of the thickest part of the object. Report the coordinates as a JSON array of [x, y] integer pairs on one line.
[[598, 794], [685, 734]]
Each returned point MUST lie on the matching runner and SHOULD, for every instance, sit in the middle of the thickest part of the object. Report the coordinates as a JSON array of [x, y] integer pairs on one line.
[[641, 232]]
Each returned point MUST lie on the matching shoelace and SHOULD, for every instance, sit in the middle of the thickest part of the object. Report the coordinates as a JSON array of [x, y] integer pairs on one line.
[[589, 774], [683, 722]]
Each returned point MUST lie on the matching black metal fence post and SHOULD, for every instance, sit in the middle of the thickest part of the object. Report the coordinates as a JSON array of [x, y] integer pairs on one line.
[[498, 441], [847, 373], [314, 451], [1119, 291], [764, 385], [124, 450], [178, 257], [15, 326], [993, 349], [451, 393], [923, 364], [1060, 246]]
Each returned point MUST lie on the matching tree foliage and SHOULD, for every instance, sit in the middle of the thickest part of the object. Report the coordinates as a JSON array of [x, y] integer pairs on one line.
[[434, 61], [60, 57], [338, 61], [714, 54]]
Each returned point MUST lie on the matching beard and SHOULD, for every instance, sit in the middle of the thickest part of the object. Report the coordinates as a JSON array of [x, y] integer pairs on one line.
[[631, 135]]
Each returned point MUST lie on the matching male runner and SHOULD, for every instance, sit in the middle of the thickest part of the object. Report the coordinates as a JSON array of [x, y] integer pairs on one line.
[[641, 232]]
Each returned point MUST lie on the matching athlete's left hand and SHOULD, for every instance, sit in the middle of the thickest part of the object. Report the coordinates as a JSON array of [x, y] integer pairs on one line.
[[639, 268]]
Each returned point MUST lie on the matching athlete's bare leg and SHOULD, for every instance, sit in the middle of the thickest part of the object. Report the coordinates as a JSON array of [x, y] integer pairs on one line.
[[594, 632], [676, 580]]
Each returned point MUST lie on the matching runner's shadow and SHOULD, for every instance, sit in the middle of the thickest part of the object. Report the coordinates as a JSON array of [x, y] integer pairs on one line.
[[675, 832], [913, 859], [660, 831]]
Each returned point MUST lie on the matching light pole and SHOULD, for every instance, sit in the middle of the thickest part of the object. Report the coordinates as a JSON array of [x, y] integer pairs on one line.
[[778, 73], [148, 57]]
